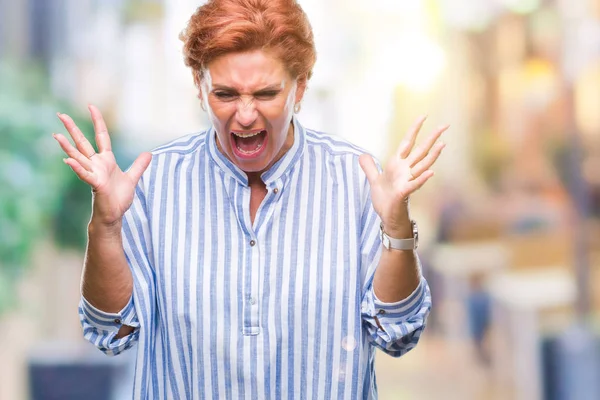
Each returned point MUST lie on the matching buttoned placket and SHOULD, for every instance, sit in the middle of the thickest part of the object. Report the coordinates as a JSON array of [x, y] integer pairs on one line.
[[249, 290], [254, 266], [252, 277]]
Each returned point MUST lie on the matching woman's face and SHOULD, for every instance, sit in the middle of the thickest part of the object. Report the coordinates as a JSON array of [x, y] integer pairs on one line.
[[251, 98]]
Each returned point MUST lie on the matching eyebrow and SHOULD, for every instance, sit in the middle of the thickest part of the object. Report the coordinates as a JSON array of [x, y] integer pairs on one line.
[[275, 86]]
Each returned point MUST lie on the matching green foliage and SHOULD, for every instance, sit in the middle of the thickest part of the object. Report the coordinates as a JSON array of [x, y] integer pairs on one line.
[[38, 192]]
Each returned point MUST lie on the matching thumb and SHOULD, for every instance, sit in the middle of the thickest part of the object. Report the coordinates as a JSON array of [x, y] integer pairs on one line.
[[368, 166], [139, 166]]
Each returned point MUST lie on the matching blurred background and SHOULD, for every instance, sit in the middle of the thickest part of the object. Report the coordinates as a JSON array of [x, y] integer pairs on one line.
[[510, 225]]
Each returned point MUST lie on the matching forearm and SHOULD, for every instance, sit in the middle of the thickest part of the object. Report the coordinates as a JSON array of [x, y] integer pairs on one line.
[[106, 281], [397, 274]]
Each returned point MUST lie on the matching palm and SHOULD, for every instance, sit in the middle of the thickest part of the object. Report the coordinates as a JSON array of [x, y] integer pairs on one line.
[[113, 189], [391, 188], [404, 173]]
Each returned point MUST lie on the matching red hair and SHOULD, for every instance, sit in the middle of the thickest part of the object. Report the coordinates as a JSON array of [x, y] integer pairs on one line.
[[231, 26]]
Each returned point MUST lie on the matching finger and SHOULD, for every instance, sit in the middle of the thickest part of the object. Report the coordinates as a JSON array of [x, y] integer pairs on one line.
[[368, 166], [82, 144], [81, 172], [139, 166], [428, 161], [422, 150], [72, 152], [416, 184], [102, 136], [409, 140]]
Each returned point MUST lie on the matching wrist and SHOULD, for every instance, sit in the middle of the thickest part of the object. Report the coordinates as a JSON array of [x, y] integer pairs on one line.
[[403, 241], [400, 228], [97, 227]]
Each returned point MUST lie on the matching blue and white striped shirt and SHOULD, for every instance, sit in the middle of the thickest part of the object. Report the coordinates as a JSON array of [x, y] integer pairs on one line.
[[276, 309]]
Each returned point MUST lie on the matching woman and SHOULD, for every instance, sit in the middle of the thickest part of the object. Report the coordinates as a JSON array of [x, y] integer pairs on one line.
[[247, 261]]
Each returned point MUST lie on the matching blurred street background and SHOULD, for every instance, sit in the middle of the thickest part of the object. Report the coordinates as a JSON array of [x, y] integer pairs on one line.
[[510, 224]]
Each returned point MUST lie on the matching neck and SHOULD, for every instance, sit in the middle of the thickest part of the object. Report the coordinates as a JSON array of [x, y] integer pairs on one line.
[[254, 179]]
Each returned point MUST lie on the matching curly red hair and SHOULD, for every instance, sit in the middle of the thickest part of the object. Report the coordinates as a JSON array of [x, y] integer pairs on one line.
[[230, 26]]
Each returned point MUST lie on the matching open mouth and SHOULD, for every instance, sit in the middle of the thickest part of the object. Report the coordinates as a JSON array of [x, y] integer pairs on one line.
[[249, 144]]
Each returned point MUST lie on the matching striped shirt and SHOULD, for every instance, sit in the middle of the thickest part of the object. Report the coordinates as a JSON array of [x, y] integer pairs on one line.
[[281, 308]]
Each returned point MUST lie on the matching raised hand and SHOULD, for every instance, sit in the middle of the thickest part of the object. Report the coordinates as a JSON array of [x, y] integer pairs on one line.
[[404, 173], [112, 188]]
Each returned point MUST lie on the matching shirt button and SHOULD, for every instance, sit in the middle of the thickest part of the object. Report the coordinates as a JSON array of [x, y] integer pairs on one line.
[[276, 190], [252, 242], [117, 321], [252, 300], [381, 312]]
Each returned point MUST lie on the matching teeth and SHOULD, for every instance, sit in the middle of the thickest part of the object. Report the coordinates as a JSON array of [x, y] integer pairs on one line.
[[249, 152], [241, 135]]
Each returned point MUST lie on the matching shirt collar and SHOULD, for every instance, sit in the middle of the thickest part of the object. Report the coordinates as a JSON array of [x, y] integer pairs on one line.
[[277, 170]]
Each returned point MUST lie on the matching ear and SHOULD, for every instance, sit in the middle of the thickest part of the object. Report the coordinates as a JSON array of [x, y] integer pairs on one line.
[[201, 91], [201, 97], [300, 88], [197, 78]]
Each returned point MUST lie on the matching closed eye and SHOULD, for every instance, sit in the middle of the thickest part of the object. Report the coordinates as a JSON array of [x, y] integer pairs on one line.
[[225, 96], [267, 94]]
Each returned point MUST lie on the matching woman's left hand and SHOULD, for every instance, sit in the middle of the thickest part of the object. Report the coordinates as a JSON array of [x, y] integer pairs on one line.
[[406, 171]]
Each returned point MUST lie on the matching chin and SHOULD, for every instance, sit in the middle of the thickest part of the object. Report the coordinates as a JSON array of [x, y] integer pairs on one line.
[[253, 167]]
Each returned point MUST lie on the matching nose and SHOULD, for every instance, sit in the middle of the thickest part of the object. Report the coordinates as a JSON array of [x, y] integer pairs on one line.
[[246, 113]]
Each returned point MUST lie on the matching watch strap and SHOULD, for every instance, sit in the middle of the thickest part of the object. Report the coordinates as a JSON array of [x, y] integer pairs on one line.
[[398, 244]]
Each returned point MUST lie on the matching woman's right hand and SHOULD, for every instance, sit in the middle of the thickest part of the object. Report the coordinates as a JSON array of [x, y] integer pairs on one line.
[[112, 188]]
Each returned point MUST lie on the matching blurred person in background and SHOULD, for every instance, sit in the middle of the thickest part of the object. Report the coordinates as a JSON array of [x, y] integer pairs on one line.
[[255, 259]]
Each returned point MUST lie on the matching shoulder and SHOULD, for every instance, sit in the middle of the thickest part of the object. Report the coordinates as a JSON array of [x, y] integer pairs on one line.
[[332, 145], [182, 146], [339, 157], [175, 151]]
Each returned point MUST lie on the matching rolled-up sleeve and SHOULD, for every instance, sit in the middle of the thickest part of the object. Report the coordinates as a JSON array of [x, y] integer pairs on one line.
[[101, 328], [395, 328]]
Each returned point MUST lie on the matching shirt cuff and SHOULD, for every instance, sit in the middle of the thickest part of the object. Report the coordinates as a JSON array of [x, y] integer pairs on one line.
[[403, 309], [109, 322]]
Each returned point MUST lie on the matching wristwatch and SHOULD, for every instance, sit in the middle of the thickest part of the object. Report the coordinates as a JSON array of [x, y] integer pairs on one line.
[[401, 244]]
